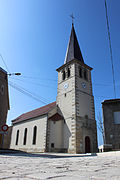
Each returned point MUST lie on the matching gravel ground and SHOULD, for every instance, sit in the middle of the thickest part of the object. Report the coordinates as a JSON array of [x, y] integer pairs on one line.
[[24, 166]]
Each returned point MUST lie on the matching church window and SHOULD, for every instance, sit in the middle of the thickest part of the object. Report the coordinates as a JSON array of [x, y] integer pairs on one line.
[[34, 134], [68, 72], [17, 137], [86, 116], [63, 75], [85, 75], [52, 145], [116, 115], [80, 72], [25, 137]]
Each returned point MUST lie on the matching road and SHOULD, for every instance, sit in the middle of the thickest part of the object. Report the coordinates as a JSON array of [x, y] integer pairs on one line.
[[24, 166]]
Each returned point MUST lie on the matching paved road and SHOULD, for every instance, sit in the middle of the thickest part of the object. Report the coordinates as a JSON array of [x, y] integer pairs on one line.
[[104, 166]]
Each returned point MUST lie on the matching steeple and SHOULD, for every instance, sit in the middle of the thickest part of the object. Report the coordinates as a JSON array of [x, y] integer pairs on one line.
[[73, 49]]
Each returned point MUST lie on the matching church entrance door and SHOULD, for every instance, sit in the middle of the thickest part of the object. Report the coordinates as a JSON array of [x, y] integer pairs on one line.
[[87, 144]]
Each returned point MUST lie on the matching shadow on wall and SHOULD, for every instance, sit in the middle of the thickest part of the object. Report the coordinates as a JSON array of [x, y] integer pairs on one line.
[[67, 134]]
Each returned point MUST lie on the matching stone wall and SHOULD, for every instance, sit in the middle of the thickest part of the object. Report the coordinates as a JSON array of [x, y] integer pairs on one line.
[[4, 101], [76, 102], [7, 138], [111, 130]]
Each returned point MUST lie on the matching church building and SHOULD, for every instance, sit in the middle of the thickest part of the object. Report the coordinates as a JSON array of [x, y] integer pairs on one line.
[[67, 125]]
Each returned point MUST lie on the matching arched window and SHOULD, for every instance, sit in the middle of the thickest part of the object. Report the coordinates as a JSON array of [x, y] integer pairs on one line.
[[63, 75], [80, 72], [25, 137], [85, 75], [68, 72], [34, 134], [17, 137]]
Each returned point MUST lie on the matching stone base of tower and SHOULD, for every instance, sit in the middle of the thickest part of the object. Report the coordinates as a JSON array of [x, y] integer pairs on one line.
[[72, 151], [86, 136]]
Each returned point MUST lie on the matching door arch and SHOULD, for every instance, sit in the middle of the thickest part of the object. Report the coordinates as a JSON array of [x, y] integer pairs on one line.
[[87, 144]]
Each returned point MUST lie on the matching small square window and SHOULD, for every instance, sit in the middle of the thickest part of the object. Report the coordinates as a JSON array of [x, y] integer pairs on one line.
[[52, 145], [80, 72], [116, 117]]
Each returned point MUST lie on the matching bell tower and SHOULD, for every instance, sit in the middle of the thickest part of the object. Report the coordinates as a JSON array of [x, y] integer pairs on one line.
[[76, 101]]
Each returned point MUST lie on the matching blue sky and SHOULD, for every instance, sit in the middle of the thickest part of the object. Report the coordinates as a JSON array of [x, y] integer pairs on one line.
[[33, 40]]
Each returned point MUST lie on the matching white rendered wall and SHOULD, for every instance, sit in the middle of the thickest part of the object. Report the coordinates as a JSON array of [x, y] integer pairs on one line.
[[41, 123], [56, 134]]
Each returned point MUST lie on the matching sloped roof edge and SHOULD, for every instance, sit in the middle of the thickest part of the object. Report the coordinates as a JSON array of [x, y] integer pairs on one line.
[[34, 113]]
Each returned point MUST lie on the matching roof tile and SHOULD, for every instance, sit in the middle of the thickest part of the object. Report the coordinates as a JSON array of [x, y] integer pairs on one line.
[[34, 113]]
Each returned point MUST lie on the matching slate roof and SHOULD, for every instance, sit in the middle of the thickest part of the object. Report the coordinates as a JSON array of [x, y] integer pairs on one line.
[[1, 69], [109, 101], [34, 113], [73, 49]]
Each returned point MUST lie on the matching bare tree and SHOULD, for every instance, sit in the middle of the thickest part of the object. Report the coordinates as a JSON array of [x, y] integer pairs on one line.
[[100, 126]]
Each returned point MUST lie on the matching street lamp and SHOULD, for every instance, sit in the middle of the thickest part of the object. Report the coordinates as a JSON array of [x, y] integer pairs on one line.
[[16, 74]]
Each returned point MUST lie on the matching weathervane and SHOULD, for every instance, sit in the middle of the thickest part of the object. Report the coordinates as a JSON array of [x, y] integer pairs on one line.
[[72, 18]]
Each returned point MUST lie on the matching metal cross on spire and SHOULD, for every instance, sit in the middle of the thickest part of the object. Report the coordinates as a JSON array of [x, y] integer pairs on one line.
[[72, 18]]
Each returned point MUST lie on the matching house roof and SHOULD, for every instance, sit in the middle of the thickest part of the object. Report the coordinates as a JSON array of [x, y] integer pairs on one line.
[[34, 113], [1, 69], [109, 101], [56, 117], [73, 49]]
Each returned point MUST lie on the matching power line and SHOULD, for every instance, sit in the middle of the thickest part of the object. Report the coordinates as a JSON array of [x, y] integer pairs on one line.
[[28, 93], [31, 77], [108, 28], [34, 83], [4, 62], [39, 84]]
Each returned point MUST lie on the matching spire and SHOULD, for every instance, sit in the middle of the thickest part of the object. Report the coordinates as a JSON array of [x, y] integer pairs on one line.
[[73, 49]]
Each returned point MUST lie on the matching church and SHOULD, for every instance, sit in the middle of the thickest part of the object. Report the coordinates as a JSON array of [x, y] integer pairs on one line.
[[68, 124]]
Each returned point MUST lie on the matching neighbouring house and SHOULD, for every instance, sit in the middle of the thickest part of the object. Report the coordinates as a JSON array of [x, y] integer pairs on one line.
[[67, 125], [111, 122], [4, 101]]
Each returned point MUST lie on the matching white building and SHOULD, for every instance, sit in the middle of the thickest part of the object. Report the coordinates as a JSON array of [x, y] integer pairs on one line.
[[67, 125]]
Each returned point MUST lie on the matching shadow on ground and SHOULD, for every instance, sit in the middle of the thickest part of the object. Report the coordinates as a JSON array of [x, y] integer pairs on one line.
[[11, 152]]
